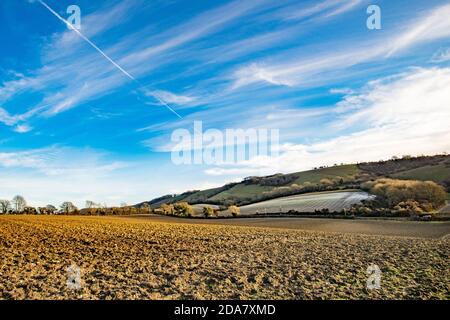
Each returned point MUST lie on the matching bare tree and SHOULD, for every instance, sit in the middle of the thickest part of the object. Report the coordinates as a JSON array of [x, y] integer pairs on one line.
[[91, 204], [19, 203], [5, 205], [51, 209], [68, 207]]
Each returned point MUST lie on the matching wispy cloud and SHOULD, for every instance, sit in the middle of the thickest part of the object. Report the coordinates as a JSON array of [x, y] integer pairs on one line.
[[297, 71], [65, 54], [197, 27], [6, 118], [60, 161], [11, 120], [234, 64], [42, 176], [345, 91], [434, 25], [295, 68], [170, 97], [323, 9], [69, 103], [344, 7], [23, 128], [441, 56], [388, 117]]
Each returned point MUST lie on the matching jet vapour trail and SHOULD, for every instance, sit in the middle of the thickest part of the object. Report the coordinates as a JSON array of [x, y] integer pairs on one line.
[[127, 74]]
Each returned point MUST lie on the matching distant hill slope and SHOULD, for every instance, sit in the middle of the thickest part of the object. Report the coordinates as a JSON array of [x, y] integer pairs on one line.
[[339, 177], [435, 168], [333, 201]]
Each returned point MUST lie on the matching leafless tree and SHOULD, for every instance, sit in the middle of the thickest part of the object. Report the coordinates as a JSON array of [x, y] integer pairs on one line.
[[19, 203], [5, 205], [91, 204], [51, 209], [68, 207]]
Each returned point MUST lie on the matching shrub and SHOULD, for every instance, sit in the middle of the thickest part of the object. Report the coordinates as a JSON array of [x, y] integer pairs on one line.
[[326, 182], [411, 195], [234, 210], [29, 210], [208, 211], [183, 209], [276, 180], [167, 209]]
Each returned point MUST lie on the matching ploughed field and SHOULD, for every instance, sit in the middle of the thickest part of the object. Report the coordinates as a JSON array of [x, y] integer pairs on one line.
[[333, 201], [129, 258]]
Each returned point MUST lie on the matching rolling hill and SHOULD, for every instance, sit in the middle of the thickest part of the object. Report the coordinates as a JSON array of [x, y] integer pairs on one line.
[[339, 177], [333, 201]]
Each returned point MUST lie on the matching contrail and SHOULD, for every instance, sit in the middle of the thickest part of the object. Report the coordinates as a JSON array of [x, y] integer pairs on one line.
[[107, 57]]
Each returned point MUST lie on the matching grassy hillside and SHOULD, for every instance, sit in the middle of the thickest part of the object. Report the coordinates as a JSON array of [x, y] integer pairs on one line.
[[247, 192], [254, 189], [434, 168], [395, 166], [437, 173], [206, 195], [241, 191], [341, 177], [336, 172]]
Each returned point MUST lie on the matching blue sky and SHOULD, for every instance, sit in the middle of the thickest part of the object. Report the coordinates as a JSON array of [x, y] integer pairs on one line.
[[75, 127]]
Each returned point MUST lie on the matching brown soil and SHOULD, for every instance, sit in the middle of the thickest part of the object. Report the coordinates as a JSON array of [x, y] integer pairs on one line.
[[385, 227], [128, 258]]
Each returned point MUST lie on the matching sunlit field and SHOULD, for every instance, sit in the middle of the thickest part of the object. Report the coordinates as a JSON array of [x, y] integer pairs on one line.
[[129, 258]]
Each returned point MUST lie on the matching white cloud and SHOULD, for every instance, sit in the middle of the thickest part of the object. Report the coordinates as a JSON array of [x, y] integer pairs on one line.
[[55, 174], [419, 98], [6, 118], [294, 68], [199, 26], [434, 25], [345, 91], [232, 171], [442, 55], [56, 160], [12, 120], [23, 128], [409, 114], [169, 97], [344, 7], [73, 74], [295, 71], [258, 73], [323, 9]]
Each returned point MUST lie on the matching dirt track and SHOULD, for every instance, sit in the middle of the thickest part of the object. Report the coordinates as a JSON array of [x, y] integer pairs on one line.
[[366, 226], [129, 258]]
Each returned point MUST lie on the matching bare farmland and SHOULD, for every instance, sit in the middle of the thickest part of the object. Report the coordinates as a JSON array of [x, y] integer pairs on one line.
[[127, 258]]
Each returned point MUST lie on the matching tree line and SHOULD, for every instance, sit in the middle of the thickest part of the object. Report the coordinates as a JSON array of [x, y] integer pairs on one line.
[[184, 209], [18, 205]]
